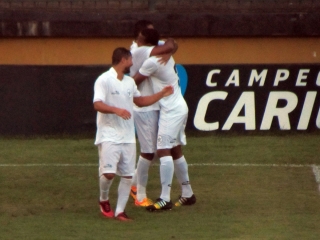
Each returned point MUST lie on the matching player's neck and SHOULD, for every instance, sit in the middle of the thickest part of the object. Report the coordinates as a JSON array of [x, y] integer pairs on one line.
[[119, 71]]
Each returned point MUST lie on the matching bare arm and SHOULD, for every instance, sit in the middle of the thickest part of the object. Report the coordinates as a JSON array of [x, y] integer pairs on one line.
[[149, 100], [104, 108], [164, 58], [175, 48], [168, 47], [139, 78]]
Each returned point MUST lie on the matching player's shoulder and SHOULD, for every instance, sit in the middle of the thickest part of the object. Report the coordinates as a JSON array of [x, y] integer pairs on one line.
[[151, 63], [141, 50], [104, 78], [105, 74], [153, 59]]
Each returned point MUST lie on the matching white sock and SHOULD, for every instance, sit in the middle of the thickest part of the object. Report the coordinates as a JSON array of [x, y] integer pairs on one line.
[[142, 177], [134, 179], [104, 185], [123, 194], [181, 171], [166, 175]]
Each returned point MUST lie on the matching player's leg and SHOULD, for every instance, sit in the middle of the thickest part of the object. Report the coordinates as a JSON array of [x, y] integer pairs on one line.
[[187, 196], [169, 128], [166, 175], [125, 169], [181, 169], [133, 191], [164, 145], [105, 207], [123, 196], [147, 128], [107, 158], [139, 132], [142, 172]]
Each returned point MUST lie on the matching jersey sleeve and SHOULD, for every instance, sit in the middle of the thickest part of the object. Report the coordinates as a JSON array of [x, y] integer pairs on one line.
[[99, 91], [139, 55], [148, 68]]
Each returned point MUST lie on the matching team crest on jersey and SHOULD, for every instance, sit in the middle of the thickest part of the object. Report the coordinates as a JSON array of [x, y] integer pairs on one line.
[[129, 93]]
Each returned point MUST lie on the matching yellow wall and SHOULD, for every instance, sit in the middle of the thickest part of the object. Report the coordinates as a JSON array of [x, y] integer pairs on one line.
[[96, 51]]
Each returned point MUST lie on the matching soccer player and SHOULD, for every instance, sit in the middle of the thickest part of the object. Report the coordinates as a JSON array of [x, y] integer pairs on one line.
[[145, 118], [114, 95], [172, 122]]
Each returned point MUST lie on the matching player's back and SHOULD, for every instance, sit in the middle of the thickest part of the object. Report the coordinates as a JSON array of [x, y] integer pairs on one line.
[[165, 72], [164, 75]]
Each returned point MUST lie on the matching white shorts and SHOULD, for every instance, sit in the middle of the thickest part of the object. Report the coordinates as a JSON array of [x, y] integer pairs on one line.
[[146, 124], [117, 158], [171, 131]]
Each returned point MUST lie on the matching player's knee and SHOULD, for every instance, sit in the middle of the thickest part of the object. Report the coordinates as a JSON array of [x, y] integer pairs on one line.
[[163, 152], [148, 156], [109, 176], [176, 152]]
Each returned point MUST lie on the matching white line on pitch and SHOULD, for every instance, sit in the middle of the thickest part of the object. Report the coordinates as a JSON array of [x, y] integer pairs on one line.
[[250, 165], [191, 165], [315, 168], [50, 165]]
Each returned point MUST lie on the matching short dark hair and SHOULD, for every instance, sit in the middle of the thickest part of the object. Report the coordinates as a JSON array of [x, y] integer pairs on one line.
[[120, 53], [139, 26], [151, 36]]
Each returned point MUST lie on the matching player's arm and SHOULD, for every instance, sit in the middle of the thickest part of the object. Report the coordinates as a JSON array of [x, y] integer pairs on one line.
[[175, 47], [168, 47], [99, 106], [139, 78], [149, 100], [146, 70], [164, 57]]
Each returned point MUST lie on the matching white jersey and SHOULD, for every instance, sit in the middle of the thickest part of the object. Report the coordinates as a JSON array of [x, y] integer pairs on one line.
[[135, 45], [120, 94], [139, 55], [161, 76]]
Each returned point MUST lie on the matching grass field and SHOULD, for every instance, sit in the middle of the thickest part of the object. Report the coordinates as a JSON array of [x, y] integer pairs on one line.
[[247, 187]]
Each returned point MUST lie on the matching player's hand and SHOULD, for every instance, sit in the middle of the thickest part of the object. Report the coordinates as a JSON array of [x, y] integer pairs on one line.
[[167, 90], [123, 113], [164, 58]]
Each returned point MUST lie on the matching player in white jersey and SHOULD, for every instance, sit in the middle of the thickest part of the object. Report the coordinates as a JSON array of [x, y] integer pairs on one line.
[[145, 118], [172, 122], [114, 96]]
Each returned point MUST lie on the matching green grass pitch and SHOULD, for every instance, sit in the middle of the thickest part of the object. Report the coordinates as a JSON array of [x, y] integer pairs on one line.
[[247, 187]]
